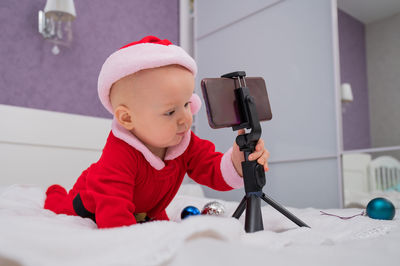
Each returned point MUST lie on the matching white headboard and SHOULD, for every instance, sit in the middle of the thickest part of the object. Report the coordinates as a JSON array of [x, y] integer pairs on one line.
[[42, 147]]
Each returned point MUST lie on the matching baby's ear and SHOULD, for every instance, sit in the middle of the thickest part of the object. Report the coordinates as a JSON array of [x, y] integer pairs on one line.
[[123, 115]]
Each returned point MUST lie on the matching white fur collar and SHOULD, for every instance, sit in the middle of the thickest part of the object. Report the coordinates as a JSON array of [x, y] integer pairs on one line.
[[172, 152]]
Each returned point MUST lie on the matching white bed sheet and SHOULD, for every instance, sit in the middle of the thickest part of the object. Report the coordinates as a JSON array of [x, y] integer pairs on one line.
[[361, 198], [30, 235]]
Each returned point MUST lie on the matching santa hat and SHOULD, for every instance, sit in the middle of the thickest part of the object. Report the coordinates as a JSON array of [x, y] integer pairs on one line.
[[149, 52]]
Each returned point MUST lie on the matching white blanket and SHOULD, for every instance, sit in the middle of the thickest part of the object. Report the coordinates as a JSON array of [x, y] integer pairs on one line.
[[31, 235]]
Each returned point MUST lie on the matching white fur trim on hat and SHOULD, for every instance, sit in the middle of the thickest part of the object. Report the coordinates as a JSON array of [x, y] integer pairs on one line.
[[137, 57], [172, 152]]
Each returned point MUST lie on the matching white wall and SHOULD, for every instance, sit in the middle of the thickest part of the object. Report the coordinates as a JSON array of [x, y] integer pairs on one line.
[[292, 45], [383, 68]]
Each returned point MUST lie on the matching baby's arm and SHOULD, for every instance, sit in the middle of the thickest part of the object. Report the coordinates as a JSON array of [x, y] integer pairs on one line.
[[211, 168], [113, 201], [110, 187], [260, 154]]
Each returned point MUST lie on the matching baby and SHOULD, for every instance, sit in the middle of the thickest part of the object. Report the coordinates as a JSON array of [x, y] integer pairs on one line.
[[148, 86]]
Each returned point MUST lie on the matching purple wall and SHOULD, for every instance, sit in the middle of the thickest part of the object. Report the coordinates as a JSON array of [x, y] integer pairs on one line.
[[31, 76], [353, 70]]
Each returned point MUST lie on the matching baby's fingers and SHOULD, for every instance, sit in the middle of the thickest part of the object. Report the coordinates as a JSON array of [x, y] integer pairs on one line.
[[263, 162], [241, 131], [260, 145], [255, 155]]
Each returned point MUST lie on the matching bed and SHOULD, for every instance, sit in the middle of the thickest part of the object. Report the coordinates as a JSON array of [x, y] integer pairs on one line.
[[30, 235]]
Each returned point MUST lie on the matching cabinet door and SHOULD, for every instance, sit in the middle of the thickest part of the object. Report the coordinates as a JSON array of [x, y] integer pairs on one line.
[[291, 44]]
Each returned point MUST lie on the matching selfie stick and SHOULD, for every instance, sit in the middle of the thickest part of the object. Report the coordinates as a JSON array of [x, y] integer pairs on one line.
[[253, 172]]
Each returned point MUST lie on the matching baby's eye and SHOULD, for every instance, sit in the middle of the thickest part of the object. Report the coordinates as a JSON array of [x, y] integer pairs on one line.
[[169, 113], [187, 104]]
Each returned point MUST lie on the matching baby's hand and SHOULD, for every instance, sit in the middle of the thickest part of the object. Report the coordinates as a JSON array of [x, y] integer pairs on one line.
[[260, 154]]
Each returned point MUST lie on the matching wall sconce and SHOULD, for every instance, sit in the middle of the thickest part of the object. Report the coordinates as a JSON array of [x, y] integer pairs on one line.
[[55, 22], [347, 94]]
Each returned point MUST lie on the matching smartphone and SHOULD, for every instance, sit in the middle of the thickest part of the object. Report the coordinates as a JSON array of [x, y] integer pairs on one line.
[[221, 104]]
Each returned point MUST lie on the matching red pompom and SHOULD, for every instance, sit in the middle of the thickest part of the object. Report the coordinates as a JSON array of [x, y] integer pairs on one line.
[[149, 39]]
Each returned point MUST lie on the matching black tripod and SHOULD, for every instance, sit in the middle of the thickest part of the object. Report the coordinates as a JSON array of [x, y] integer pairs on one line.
[[253, 172]]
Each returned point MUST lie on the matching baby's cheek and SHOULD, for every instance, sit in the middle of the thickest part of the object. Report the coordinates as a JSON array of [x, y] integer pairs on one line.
[[191, 120]]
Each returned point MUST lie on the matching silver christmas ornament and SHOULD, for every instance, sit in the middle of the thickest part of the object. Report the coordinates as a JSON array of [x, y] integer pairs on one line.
[[213, 208]]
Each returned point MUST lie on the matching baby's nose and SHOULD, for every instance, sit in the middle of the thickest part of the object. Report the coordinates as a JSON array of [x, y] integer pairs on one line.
[[184, 119], [182, 123]]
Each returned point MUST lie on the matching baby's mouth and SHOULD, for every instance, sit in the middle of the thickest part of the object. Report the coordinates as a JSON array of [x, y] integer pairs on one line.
[[181, 133]]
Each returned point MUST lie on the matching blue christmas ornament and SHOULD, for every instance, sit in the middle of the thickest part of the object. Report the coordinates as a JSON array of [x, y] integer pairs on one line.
[[380, 208], [189, 211]]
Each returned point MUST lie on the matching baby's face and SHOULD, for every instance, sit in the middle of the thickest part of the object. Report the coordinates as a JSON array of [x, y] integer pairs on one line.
[[158, 101]]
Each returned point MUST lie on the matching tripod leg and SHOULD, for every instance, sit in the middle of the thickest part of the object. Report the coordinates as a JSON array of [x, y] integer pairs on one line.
[[284, 211], [240, 208], [253, 222]]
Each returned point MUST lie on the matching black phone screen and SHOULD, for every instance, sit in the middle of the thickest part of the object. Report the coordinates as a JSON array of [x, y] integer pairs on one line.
[[221, 105]]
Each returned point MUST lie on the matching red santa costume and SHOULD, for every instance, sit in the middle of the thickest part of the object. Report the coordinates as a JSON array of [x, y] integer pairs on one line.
[[130, 183]]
